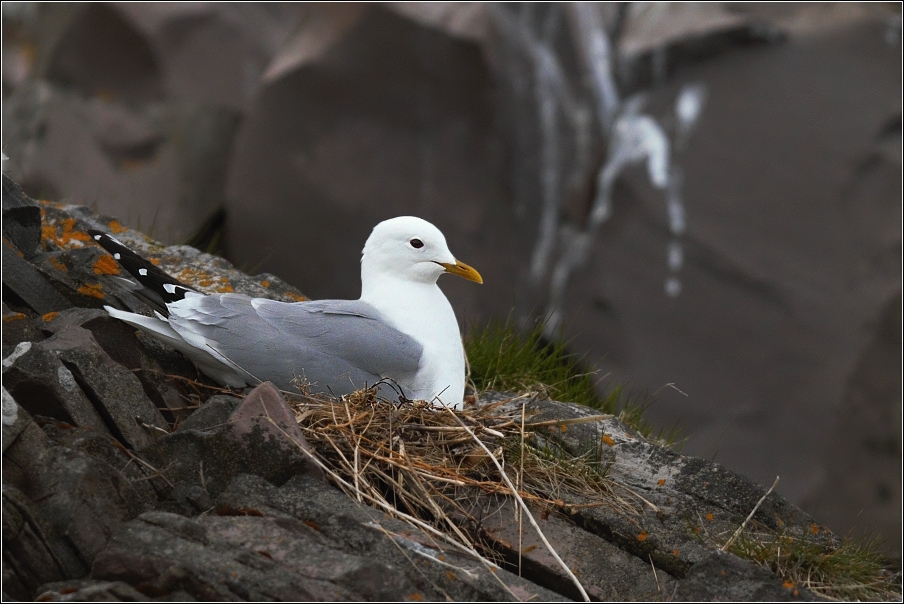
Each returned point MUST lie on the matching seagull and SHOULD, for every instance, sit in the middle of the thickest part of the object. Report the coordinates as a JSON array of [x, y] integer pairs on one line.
[[402, 328]]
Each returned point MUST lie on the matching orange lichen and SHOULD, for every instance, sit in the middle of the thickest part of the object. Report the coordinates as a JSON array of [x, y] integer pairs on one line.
[[297, 297], [661, 481], [16, 317], [675, 552], [115, 227], [451, 576], [64, 234], [90, 289], [225, 289], [608, 440], [196, 277], [70, 232], [50, 316], [814, 528], [710, 517], [416, 597], [529, 549], [48, 231], [154, 261], [105, 265], [58, 264], [789, 584], [642, 536], [265, 283]]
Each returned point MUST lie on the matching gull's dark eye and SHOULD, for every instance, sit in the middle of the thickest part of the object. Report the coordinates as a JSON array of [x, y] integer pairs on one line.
[[416, 244]]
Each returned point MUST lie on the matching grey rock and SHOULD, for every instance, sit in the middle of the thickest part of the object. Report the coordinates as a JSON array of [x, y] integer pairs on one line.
[[259, 436], [607, 572], [867, 434], [143, 483], [149, 361], [89, 590], [230, 558], [22, 464], [115, 391], [214, 413], [687, 507], [28, 558], [27, 285], [21, 218], [435, 569], [82, 500], [723, 577], [43, 385], [15, 419], [17, 328]]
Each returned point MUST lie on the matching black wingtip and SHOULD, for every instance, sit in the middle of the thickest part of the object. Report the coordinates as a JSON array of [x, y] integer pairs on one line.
[[160, 282]]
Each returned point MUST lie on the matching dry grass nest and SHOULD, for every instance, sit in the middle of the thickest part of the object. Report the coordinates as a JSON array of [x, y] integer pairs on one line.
[[430, 465]]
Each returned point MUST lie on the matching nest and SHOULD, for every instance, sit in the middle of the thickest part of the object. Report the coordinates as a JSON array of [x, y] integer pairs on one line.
[[431, 466]]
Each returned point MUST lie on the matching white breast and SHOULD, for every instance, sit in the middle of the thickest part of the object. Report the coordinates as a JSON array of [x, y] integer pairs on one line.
[[423, 312]]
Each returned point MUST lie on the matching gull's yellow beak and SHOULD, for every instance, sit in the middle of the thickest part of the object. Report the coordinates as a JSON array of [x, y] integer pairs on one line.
[[462, 270]]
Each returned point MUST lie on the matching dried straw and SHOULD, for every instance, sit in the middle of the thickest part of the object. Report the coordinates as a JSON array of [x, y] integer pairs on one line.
[[425, 463]]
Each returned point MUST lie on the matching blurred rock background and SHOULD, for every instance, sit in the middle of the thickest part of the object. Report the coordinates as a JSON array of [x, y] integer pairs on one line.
[[706, 198]]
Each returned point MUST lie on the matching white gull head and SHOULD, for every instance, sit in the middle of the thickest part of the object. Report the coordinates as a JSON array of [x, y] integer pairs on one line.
[[401, 262]]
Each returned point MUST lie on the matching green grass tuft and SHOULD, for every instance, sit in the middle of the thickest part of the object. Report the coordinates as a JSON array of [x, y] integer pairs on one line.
[[849, 571], [502, 357]]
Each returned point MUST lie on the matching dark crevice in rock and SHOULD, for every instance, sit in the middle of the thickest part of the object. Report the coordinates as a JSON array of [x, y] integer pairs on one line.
[[14, 301], [540, 574], [38, 399], [96, 402], [155, 397], [643, 550]]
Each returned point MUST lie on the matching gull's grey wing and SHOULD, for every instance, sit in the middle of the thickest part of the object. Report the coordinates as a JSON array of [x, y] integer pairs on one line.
[[336, 345]]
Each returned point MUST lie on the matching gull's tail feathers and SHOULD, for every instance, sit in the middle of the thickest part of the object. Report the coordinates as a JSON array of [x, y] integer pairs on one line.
[[156, 280], [209, 361]]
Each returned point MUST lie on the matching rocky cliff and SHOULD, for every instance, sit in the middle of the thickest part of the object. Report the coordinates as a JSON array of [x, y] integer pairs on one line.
[[129, 476]]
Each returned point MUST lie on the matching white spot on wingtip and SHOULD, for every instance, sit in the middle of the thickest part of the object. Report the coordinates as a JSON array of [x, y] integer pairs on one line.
[[117, 256], [143, 272], [98, 237], [169, 287]]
